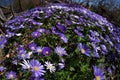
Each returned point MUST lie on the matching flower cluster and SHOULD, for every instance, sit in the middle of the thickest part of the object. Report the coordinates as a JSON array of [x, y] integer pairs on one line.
[[59, 40]]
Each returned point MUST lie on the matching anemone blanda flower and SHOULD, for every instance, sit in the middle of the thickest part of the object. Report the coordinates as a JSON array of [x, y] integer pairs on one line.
[[95, 33], [78, 33], [61, 27], [41, 30], [11, 75], [60, 51], [99, 74], [39, 49], [29, 54], [21, 49], [23, 55], [10, 34], [68, 22], [61, 65], [50, 66], [54, 31], [36, 23], [15, 61], [96, 50], [32, 46], [36, 34], [25, 64], [36, 68], [94, 38], [103, 47], [46, 51], [84, 49], [63, 37], [2, 68], [111, 69]]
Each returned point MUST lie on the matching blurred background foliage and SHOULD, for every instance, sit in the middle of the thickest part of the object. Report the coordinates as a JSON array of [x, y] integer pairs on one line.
[[106, 8]]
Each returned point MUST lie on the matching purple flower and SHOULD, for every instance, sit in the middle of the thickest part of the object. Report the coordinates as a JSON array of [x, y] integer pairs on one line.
[[84, 49], [64, 38], [36, 34], [78, 33], [68, 22], [32, 46], [23, 55], [15, 62], [25, 64], [46, 51], [54, 31], [9, 34], [61, 65], [104, 48], [11, 75], [60, 51], [41, 30], [36, 68], [50, 66], [36, 23], [111, 69], [21, 49], [60, 27], [95, 54], [99, 74], [94, 33], [39, 49], [2, 68], [94, 38]]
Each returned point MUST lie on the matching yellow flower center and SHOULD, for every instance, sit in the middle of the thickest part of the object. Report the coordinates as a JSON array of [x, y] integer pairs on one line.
[[20, 51], [11, 76], [62, 37], [41, 30], [83, 50], [36, 34], [98, 78], [36, 68], [32, 47], [39, 50], [23, 55], [47, 52], [48, 67], [59, 51]]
